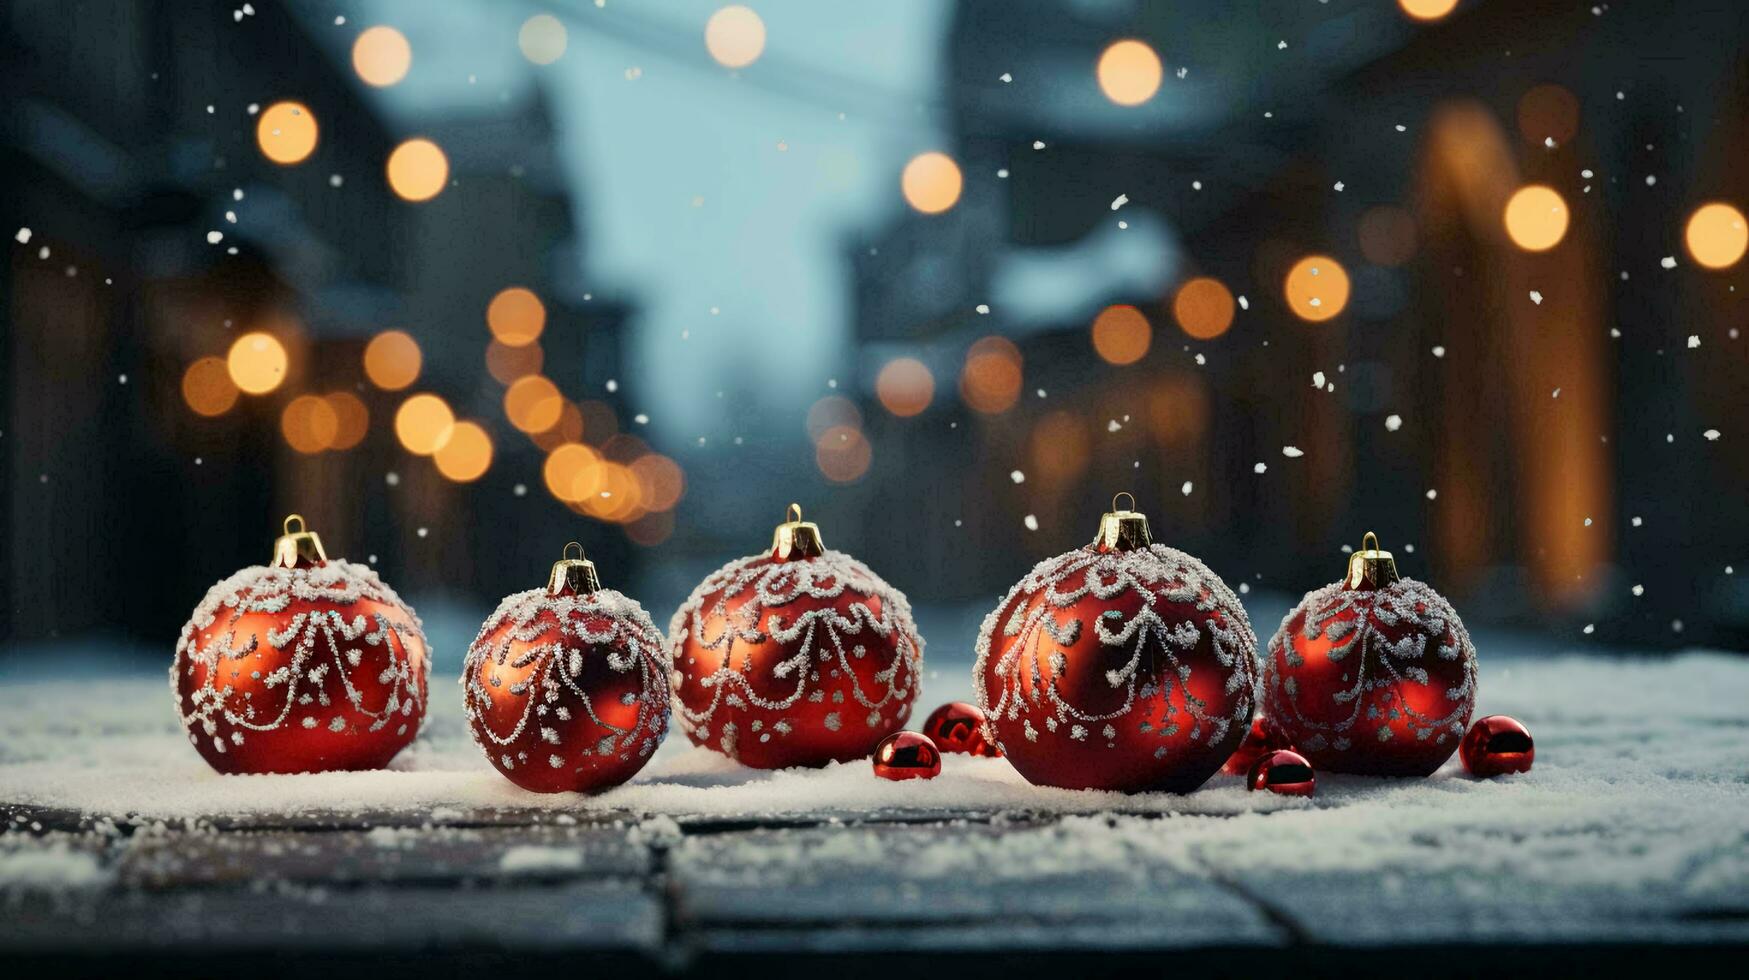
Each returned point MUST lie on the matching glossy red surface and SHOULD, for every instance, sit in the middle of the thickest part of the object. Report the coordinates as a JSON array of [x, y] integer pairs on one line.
[[1257, 742], [1282, 771], [1497, 745], [907, 755], [959, 727]]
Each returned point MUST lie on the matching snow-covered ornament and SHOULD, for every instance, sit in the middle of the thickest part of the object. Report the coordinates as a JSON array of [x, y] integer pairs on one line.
[[1374, 674], [1121, 665], [1257, 744], [303, 665], [959, 727], [796, 657], [566, 687]]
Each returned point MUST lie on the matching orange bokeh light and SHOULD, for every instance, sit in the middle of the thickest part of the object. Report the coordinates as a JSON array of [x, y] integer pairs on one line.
[[309, 424], [466, 455], [257, 362], [662, 480], [1316, 288], [1427, 9], [572, 472], [516, 316], [990, 380], [381, 56], [392, 360], [417, 170], [353, 419], [905, 386], [843, 454], [1121, 334], [1716, 235], [1535, 218], [507, 363], [1129, 72], [931, 182], [207, 387], [1203, 308], [533, 404], [286, 133], [424, 423]]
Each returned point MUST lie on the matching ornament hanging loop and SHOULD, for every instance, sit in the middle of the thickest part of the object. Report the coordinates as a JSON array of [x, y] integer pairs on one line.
[[1123, 529], [795, 538], [573, 575], [297, 549], [1370, 567]]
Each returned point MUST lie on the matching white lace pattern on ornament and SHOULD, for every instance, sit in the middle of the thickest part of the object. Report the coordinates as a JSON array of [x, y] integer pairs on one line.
[[769, 586], [625, 637], [1156, 572], [1350, 620], [316, 639]]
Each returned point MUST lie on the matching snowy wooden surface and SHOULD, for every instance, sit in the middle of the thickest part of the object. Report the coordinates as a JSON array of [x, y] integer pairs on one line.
[[1633, 828]]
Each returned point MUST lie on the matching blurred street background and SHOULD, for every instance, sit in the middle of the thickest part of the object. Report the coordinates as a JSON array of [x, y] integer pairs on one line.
[[461, 282]]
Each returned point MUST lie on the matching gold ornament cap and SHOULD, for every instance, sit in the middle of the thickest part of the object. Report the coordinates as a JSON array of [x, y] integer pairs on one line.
[[795, 538], [1123, 529], [573, 575], [297, 548], [1370, 568]]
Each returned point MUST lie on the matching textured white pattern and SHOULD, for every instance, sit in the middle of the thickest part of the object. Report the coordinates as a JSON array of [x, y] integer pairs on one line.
[[768, 586], [1065, 580], [1350, 620], [316, 639], [622, 630]]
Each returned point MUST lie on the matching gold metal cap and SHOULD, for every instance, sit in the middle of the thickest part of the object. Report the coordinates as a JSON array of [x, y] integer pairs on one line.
[[1123, 529], [297, 548], [795, 538], [1370, 568], [573, 574]]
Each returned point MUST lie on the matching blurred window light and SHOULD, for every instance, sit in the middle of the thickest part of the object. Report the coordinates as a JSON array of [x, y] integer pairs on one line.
[[843, 454], [507, 363], [1535, 218], [516, 316], [309, 424], [1548, 112], [533, 404], [424, 424], [1717, 235], [1427, 9], [381, 56], [905, 386], [618, 499], [417, 170], [466, 455], [931, 182], [1387, 235], [207, 387], [1203, 307], [542, 39], [352, 418], [286, 133], [1316, 288], [735, 36], [1121, 334], [990, 380], [1129, 72], [392, 360], [257, 362]]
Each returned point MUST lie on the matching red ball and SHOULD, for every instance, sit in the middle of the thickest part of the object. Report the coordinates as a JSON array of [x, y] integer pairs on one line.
[[1119, 669], [794, 662], [907, 755], [1497, 745], [1257, 743], [1378, 681], [303, 669], [959, 727], [1284, 772], [567, 692]]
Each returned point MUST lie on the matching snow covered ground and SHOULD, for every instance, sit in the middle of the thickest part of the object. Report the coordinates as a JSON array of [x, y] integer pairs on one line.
[[1634, 826]]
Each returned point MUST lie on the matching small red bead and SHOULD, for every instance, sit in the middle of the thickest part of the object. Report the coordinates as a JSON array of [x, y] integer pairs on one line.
[[1250, 750], [1497, 745], [1282, 771], [907, 755], [959, 727]]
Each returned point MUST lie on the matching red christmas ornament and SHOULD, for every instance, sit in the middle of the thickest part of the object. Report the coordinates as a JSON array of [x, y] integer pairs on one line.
[[303, 665], [798, 657], [566, 687], [1284, 772], [959, 727], [1257, 743], [1123, 665], [1497, 745], [1373, 675], [907, 755]]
